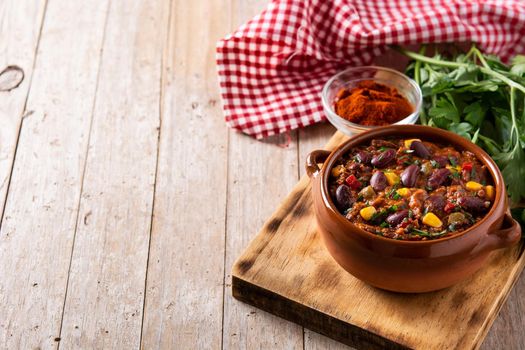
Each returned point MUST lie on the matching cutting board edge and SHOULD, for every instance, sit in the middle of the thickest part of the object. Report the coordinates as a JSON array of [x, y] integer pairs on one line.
[[303, 315]]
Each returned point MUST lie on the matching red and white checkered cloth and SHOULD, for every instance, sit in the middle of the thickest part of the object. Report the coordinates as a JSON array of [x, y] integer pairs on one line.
[[272, 69]]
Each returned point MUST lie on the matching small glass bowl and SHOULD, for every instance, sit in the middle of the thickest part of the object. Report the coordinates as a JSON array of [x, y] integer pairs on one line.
[[351, 76]]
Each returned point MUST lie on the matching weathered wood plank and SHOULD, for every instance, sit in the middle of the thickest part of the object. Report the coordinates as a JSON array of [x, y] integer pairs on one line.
[[20, 24], [260, 175], [507, 330], [287, 270], [41, 210], [186, 263], [105, 294]]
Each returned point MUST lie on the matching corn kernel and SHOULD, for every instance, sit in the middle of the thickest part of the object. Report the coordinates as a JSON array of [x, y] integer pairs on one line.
[[489, 191], [392, 178], [431, 219], [408, 143], [367, 213], [403, 192], [338, 170], [473, 186], [456, 168]]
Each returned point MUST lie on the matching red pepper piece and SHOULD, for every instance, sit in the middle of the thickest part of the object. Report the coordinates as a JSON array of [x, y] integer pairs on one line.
[[353, 182], [467, 166], [449, 207]]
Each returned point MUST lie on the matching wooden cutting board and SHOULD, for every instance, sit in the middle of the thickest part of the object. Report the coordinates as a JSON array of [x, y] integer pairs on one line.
[[287, 271]]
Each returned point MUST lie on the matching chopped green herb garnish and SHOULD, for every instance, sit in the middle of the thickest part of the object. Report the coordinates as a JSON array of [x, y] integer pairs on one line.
[[452, 161], [384, 224], [390, 192], [427, 234], [396, 196], [393, 208], [434, 163]]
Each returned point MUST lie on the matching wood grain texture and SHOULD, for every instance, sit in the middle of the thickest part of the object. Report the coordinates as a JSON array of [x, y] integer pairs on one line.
[[41, 210], [286, 270], [186, 264], [20, 23], [507, 330], [259, 176], [108, 268]]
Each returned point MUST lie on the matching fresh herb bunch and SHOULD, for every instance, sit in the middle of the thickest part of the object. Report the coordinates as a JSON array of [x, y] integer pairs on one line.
[[482, 99]]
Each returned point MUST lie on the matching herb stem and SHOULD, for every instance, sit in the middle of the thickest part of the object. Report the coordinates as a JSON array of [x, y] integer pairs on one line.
[[417, 76], [481, 58], [430, 60], [443, 63]]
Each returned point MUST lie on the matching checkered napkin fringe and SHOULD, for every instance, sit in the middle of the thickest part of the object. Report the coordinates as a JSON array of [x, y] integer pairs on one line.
[[272, 69]]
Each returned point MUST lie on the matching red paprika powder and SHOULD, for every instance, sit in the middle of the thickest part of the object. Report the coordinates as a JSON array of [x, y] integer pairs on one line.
[[371, 103]]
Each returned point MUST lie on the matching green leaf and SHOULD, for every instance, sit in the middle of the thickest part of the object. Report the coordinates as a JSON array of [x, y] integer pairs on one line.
[[480, 86], [503, 125], [444, 112], [462, 129], [518, 65], [513, 172], [518, 69], [518, 59], [464, 75], [475, 113], [436, 82], [495, 63], [490, 145]]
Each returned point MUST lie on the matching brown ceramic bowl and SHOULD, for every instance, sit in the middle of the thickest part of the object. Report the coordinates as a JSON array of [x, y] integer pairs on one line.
[[409, 266]]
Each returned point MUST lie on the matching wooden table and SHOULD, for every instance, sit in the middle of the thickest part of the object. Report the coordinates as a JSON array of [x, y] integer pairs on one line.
[[124, 197]]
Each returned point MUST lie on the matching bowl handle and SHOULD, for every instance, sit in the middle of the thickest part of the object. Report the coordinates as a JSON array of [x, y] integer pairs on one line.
[[508, 235], [314, 158]]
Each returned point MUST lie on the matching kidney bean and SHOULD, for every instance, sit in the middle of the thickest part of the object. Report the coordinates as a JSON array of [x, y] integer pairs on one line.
[[363, 157], [378, 181], [384, 158], [472, 204], [438, 177], [343, 197], [409, 175], [420, 149], [442, 161], [396, 218], [435, 203]]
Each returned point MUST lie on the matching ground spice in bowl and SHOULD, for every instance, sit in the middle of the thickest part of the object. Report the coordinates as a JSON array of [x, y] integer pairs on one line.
[[371, 103]]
